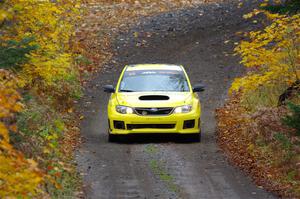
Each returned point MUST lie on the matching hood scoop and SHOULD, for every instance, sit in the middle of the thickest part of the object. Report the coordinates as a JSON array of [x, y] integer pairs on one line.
[[154, 97]]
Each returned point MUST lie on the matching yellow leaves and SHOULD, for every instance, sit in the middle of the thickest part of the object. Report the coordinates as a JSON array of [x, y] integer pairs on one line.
[[18, 7], [18, 176], [251, 14], [251, 147], [52, 137], [263, 4], [4, 134], [240, 4], [4, 14], [250, 82], [271, 54], [52, 26], [13, 128], [135, 34], [272, 15], [46, 150], [47, 69], [55, 10], [8, 95], [77, 5], [247, 16]]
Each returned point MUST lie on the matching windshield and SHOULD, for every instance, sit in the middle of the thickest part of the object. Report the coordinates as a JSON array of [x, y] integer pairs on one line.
[[154, 80]]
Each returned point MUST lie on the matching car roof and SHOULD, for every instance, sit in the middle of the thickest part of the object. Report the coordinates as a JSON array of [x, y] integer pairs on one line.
[[133, 67]]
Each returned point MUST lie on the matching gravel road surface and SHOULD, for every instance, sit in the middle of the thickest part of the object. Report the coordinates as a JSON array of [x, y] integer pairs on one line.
[[201, 39]]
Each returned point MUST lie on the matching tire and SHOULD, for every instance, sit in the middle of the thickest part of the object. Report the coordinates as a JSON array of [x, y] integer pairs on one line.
[[189, 138], [112, 138], [196, 137]]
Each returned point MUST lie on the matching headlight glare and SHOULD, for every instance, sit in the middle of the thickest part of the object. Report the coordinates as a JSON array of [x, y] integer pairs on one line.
[[124, 109], [183, 109]]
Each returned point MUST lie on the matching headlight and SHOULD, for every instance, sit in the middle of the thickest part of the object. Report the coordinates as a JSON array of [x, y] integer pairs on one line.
[[183, 109], [124, 109]]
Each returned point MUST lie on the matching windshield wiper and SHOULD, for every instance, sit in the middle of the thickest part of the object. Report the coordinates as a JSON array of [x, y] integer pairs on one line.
[[124, 90]]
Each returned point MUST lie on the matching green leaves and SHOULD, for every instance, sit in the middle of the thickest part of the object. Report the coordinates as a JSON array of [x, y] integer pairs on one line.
[[290, 7], [293, 120], [14, 53], [283, 140]]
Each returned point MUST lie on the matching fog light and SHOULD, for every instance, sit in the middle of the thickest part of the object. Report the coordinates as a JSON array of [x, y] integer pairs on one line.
[[119, 124], [187, 124]]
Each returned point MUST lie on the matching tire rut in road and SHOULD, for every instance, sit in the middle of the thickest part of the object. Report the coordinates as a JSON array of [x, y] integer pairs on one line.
[[196, 181], [119, 176], [199, 176]]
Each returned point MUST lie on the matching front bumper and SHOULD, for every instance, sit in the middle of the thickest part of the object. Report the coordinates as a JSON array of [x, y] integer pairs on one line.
[[183, 123]]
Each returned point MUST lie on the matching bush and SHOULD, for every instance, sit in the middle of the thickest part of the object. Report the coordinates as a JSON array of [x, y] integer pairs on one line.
[[291, 7], [293, 120]]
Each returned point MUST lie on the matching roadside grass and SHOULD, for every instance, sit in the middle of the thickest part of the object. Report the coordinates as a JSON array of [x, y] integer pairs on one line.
[[264, 96], [48, 130], [259, 125], [37, 63], [42, 133], [261, 144], [69, 182]]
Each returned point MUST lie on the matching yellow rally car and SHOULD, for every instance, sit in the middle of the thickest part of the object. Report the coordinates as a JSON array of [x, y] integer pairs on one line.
[[154, 98]]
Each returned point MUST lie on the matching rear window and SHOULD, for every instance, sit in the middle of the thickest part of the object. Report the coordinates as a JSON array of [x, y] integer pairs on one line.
[[154, 80]]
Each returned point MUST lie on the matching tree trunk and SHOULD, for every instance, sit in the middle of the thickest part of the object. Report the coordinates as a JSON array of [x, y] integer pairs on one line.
[[289, 92]]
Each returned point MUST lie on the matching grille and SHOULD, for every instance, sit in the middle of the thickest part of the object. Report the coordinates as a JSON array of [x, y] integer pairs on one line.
[[150, 126], [153, 111]]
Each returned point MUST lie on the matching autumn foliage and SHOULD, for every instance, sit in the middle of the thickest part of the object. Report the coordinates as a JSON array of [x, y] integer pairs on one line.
[[15, 169], [48, 53], [36, 67], [271, 55], [258, 126]]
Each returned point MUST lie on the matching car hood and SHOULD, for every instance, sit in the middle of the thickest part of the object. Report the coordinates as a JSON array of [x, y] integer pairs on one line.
[[154, 99]]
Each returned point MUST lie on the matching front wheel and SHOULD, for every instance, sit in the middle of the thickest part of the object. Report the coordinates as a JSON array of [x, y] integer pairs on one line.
[[112, 138], [196, 137]]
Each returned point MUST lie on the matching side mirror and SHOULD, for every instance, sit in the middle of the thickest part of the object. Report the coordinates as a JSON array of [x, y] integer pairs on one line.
[[198, 88], [109, 88]]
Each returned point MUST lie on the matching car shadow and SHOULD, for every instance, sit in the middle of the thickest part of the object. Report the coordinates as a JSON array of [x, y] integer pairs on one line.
[[155, 138]]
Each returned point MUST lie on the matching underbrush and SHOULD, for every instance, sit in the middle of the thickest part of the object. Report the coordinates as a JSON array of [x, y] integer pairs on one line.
[[259, 125], [43, 134], [51, 51], [39, 82], [266, 96], [292, 7], [262, 145]]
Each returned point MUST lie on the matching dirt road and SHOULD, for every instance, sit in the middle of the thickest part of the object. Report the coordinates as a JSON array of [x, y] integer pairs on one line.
[[162, 168]]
